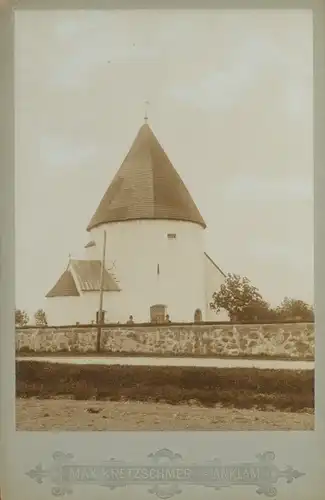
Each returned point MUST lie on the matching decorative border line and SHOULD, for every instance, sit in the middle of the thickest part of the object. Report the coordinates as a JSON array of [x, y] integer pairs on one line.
[[165, 472]]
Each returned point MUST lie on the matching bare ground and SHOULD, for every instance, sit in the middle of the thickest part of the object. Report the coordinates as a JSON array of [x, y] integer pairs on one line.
[[70, 415]]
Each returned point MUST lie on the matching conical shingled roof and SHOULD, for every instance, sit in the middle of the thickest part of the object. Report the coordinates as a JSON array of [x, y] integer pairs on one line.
[[146, 187]]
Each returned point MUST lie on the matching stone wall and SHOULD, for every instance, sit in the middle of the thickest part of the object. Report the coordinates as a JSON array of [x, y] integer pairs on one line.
[[293, 340]]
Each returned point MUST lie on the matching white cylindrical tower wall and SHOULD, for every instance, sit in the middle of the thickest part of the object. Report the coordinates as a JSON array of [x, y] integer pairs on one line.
[[155, 262], [92, 253]]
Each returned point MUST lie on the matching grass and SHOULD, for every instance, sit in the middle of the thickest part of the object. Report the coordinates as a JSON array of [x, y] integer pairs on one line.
[[284, 390]]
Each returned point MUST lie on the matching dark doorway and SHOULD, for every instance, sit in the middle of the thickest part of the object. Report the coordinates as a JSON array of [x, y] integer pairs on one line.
[[158, 313]]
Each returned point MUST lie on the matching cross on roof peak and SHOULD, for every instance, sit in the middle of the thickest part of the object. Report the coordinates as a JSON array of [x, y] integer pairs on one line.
[[146, 103]]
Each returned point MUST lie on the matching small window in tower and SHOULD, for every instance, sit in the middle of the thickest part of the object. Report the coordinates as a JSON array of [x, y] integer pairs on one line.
[[171, 236]]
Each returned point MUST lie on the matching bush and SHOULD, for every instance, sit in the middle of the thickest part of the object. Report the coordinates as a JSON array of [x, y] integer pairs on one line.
[[239, 387]]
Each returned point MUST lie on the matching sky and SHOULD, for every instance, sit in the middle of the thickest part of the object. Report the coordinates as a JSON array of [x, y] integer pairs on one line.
[[231, 96]]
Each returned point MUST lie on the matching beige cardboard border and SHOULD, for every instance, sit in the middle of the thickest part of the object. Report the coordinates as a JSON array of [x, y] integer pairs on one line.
[[22, 451]]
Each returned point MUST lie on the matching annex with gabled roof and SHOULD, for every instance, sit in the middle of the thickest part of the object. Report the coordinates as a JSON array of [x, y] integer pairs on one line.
[[82, 276]]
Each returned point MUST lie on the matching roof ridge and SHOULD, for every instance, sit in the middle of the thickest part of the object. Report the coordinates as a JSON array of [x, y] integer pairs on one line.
[[85, 260], [151, 172]]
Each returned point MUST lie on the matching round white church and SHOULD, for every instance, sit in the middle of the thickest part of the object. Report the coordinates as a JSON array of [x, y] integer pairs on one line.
[[155, 263]]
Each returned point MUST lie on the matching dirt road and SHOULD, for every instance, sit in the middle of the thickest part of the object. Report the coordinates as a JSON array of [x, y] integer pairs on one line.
[[47, 415], [266, 364]]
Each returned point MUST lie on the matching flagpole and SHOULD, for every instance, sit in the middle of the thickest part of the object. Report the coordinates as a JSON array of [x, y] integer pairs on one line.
[[101, 293]]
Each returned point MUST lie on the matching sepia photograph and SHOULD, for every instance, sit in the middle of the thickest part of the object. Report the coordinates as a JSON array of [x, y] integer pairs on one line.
[[164, 220]]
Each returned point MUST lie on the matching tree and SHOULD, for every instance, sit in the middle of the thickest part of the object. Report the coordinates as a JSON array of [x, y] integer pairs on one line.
[[21, 317], [40, 318], [241, 300], [294, 309]]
